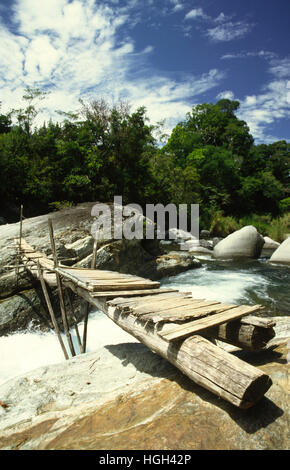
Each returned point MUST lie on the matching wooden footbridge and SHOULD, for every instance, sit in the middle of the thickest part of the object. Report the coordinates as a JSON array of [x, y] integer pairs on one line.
[[176, 326]]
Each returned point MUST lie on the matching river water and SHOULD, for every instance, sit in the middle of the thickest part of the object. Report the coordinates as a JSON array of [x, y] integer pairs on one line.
[[250, 282]]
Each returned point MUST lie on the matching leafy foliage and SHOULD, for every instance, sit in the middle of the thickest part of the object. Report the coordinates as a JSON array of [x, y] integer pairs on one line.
[[100, 151]]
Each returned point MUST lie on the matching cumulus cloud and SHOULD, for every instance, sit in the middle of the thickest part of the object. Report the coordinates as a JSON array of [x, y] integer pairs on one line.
[[81, 48], [261, 110], [221, 28], [228, 95], [229, 31], [195, 13]]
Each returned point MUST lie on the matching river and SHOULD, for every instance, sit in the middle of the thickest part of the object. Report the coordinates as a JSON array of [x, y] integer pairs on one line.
[[249, 282]]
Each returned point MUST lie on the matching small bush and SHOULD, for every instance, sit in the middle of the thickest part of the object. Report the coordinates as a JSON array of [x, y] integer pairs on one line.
[[58, 205], [279, 227], [222, 226], [284, 205], [261, 222]]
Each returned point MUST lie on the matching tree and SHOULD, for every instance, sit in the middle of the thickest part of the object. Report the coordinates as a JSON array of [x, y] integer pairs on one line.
[[5, 122], [26, 116]]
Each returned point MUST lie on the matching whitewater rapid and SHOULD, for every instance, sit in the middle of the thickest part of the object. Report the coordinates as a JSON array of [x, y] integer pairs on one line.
[[252, 283]]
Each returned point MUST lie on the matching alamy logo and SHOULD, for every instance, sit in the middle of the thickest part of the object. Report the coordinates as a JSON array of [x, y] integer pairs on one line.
[[115, 221]]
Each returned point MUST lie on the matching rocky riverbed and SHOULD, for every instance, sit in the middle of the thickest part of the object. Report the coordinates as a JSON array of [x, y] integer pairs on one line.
[[123, 396]]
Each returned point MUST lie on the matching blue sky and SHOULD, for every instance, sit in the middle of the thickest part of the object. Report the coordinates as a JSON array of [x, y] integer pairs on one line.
[[167, 55]]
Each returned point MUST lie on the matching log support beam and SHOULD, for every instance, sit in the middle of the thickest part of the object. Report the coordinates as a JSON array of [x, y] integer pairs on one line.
[[206, 364]]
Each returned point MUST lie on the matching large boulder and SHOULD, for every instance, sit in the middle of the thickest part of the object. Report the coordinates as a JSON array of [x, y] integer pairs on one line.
[[18, 311], [168, 264], [244, 243], [270, 244], [205, 234], [282, 254], [80, 248], [179, 234]]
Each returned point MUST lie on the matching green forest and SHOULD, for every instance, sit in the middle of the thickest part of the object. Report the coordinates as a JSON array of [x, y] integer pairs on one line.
[[210, 158]]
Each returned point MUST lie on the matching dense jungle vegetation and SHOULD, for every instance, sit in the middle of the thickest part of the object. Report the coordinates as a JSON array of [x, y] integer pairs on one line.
[[100, 151]]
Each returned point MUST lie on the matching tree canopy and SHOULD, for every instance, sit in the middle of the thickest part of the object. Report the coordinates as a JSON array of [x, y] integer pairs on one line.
[[100, 151]]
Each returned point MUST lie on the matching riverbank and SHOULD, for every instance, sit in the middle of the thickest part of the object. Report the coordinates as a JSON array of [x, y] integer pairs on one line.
[[126, 397], [120, 390]]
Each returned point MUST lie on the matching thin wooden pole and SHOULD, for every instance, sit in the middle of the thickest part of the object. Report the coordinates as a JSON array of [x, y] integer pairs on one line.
[[18, 257], [93, 264], [60, 291], [51, 312], [86, 327], [75, 322], [20, 228]]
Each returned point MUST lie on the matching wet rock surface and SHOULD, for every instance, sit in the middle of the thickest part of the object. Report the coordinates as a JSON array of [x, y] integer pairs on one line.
[[125, 397]]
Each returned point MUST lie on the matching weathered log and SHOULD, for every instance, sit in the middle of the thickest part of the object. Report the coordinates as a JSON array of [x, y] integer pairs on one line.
[[246, 336], [206, 364], [222, 315]]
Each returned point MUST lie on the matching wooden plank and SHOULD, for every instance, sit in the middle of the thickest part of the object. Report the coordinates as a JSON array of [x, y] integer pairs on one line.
[[262, 322], [152, 303], [153, 307], [196, 326], [103, 285], [72, 278], [132, 293], [102, 275], [174, 306], [119, 301], [186, 313], [111, 287], [32, 255], [118, 282]]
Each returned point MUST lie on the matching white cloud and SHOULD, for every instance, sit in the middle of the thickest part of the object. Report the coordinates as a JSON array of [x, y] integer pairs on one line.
[[228, 95], [250, 100], [281, 68], [222, 18], [229, 31], [263, 109], [83, 49], [221, 28], [148, 49], [195, 13], [177, 5], [244, 55]]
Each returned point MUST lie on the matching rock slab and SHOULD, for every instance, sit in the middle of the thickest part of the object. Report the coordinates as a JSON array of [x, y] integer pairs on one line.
[[123, 396], [282, 254], [244, 243]]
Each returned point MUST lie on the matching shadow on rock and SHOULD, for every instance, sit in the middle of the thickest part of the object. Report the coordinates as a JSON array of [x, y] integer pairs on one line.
[[251, 420]]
